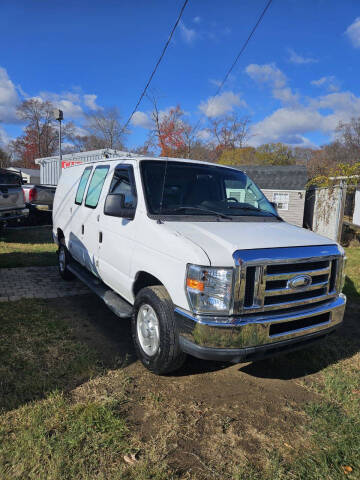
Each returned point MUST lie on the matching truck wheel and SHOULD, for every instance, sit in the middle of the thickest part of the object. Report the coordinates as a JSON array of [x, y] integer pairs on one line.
[[154, 331], [64, 260]]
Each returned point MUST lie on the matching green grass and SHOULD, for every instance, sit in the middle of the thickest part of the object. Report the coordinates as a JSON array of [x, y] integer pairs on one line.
[[39, 353], [56, 439], [47, 432], [352, 281], [27, 247]]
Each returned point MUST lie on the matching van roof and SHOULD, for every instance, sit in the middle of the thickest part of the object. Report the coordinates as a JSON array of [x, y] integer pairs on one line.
[[143, 158], [106, 155]]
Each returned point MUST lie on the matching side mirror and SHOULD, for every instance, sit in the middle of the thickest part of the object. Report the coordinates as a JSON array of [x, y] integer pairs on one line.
[[115, 207], [273, 204]]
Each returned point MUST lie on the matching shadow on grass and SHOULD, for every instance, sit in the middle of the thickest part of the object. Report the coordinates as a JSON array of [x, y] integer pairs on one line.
[[41, 234], [350, 290], [48, 345], [34, 258]]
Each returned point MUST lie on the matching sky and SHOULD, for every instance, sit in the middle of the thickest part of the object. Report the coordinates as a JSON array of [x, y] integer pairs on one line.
[[298, 77]]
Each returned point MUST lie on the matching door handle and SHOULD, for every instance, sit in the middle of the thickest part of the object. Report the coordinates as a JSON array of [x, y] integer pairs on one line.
[[82, 229], [100, 237]]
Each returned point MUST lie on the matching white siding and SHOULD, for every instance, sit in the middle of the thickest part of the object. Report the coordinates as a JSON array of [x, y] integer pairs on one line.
[[295, 213]]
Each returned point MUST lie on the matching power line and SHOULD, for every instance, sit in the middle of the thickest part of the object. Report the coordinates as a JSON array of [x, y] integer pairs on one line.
[[238, 56], [243, 47], [156, 66]]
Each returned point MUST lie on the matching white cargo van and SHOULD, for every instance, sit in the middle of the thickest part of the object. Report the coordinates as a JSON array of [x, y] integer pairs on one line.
[[196, 255]]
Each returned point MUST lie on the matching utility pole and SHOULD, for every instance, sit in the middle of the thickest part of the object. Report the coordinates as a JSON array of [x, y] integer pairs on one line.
[[59, 116]]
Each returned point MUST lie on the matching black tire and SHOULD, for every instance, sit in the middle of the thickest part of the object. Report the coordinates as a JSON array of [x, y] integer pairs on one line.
[[64, 259], [168, 356]]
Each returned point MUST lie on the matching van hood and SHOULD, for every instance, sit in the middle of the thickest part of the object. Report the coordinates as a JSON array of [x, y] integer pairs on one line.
[[220, 240]]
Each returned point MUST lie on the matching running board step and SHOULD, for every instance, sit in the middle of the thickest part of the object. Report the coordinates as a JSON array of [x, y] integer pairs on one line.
[[118, 305]]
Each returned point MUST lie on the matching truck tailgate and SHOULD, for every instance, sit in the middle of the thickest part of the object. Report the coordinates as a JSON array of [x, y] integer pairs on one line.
[[11, 197]]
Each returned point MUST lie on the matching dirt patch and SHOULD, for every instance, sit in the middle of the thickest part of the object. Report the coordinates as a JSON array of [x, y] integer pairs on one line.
[[210, 418], [202, 419]]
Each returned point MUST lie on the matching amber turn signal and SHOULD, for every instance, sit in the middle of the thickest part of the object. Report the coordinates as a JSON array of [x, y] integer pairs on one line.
[[195, 284]]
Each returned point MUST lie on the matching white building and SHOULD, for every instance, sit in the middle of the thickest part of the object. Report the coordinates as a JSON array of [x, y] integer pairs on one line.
[[29, 175]]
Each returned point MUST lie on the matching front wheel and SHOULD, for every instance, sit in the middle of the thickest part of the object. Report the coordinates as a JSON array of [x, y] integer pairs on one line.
[[154, 331], [63, 261]]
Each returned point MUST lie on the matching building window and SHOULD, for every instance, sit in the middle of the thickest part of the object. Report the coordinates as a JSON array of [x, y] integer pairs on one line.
[[282, 200]]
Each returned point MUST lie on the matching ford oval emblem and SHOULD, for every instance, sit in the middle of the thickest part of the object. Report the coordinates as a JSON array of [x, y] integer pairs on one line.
[[301, 281]]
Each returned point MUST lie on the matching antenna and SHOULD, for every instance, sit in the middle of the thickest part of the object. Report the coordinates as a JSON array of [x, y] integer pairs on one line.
[[163, 188]]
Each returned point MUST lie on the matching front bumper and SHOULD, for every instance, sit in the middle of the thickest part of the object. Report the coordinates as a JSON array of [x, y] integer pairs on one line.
[[256, 336]]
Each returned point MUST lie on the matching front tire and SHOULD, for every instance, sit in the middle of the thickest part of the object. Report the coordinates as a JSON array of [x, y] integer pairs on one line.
[[64, 259], [154, 331]]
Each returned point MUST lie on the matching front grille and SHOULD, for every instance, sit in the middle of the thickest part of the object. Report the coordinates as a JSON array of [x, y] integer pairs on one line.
[[277, 283], [289, 327]]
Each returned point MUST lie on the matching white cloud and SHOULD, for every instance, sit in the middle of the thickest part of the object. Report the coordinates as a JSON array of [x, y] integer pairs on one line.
[[203, 134], [346, 104], [329, 82], [9, 98], [271, 75], [319, 82], [299, 59], [285, 125], [267, 73], [4, 137], [221, 104], [321, 114], [69, 102], [230, 81], [187, 34], [70, 109], [215, 82], [141, 119], [197, 19], [353, 32], [80, 132], [90, 102], [286, 96], [53, 97]]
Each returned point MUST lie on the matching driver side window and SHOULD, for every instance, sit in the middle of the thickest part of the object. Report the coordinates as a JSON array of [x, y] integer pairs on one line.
[[123, 182]]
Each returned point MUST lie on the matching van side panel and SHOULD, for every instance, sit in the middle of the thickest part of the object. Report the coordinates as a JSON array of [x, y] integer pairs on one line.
[[65, 210]]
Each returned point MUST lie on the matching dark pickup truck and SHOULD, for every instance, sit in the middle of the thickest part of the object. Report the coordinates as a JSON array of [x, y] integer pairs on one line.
[[12, 201]]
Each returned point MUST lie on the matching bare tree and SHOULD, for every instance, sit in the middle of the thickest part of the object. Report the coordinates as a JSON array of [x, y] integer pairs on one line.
[[40, 138], [348, 134], [5, 159], [229, 131], [40, 122], [303, 155], [105, 129]]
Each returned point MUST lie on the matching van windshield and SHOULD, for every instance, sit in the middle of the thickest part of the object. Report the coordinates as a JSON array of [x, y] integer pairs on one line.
[[201, 190]]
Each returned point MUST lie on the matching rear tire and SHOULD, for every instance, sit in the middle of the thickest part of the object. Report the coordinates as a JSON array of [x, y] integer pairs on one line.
[[154, 331], [64, 259]]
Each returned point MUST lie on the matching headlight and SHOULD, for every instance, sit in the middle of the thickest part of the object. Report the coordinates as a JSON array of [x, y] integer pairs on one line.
[[341, 274], [209, 289]]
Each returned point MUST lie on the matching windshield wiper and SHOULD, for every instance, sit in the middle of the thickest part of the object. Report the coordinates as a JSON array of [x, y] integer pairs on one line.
[[199, 209], [256, 209]]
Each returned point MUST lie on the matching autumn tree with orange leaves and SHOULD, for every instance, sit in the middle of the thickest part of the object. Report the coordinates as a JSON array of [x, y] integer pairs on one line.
[[40, 138], [171, 135]]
